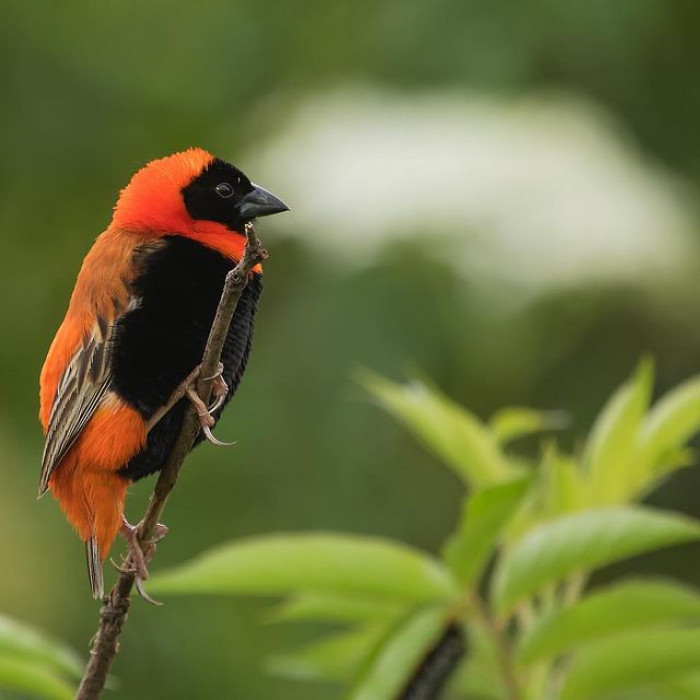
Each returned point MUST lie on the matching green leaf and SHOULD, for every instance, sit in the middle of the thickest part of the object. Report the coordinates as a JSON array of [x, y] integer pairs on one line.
[[512, 423], [23, 641], [630, 661], [672, 421], [560, 487], [567, 487], [670, 462], [335, 608], [618, 608], [399, 655], [583, 541], [485, 515], [313, 563], [456, 436], [611, 449], [472, 684], [338, 656], [685, 687], [658, 691], [29, 676]]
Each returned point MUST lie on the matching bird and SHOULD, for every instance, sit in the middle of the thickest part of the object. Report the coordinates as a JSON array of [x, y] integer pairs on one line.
[[119, 373]]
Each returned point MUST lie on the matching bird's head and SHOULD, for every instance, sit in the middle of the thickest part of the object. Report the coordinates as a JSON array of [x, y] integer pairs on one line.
[[193, 194]]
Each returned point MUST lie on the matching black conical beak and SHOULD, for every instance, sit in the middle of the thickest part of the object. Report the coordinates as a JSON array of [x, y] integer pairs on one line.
[[260, 202]]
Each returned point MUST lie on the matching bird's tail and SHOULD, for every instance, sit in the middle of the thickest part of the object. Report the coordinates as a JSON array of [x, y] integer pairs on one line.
[[93, 502], [94, 567]]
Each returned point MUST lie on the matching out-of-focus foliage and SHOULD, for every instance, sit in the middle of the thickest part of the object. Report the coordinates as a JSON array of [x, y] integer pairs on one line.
[[555, 639], [503, 194], [31, 662], [332, 564]]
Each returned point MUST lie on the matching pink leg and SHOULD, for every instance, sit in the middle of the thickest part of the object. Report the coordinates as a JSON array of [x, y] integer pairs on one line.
[[140, 554]]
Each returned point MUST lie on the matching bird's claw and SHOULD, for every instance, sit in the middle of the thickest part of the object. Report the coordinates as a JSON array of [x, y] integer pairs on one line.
[[206, 420], [218, 373], [140, 554], [188, 388], [138, 582], [214, 440], [218, 403], [121, 568], [219, 389]]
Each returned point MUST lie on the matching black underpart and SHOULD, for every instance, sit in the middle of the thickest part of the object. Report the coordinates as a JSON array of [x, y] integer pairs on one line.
[[157, 344], [203, 201]]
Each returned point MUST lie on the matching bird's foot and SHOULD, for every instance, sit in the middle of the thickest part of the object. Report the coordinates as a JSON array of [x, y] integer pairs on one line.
[[188, 388], [219, 389], [140, 554], [179, 392], [206, 420]]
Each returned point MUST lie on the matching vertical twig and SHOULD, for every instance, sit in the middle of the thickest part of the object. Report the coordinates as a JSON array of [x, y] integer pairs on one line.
[[502, 644], [115, 604]]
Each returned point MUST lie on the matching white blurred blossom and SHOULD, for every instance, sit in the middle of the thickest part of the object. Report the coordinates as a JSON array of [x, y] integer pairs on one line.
[[534, 193]]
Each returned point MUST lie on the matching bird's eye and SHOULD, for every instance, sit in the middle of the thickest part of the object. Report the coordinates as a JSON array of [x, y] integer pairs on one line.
[[223, 189]]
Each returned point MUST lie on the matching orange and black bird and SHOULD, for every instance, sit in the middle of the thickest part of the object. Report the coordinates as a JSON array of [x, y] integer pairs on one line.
[[135, 330]]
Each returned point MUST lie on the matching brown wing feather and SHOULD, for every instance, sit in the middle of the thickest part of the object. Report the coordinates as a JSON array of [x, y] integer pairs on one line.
[[80, 391], [74, 390]]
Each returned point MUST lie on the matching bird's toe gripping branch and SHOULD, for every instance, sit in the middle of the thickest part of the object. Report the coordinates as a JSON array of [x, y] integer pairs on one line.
[[206, 420], [219, 389], [140, 554], [188, 388]]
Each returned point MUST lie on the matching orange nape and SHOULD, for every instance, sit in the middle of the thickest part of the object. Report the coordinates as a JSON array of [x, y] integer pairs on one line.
[[86, 484]]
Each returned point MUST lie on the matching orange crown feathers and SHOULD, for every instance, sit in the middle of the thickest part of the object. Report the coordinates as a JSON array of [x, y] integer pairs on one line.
[[152, 200]]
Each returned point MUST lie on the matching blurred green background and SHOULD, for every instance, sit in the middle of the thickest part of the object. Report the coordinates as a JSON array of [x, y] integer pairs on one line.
[[502, 196]]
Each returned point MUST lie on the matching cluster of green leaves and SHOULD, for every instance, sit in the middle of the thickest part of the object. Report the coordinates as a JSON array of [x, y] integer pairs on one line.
[[514, 571], [33, 664]]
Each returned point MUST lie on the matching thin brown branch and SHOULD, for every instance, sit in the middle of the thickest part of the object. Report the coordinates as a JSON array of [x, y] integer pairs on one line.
[[115, 604]]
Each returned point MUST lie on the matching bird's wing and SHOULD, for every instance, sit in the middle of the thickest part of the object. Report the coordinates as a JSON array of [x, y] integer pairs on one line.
[[76, 375], [80, 390]]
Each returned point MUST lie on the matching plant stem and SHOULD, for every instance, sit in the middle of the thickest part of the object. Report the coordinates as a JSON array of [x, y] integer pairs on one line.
[[501, 642], [572, 590], [574, 587]]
